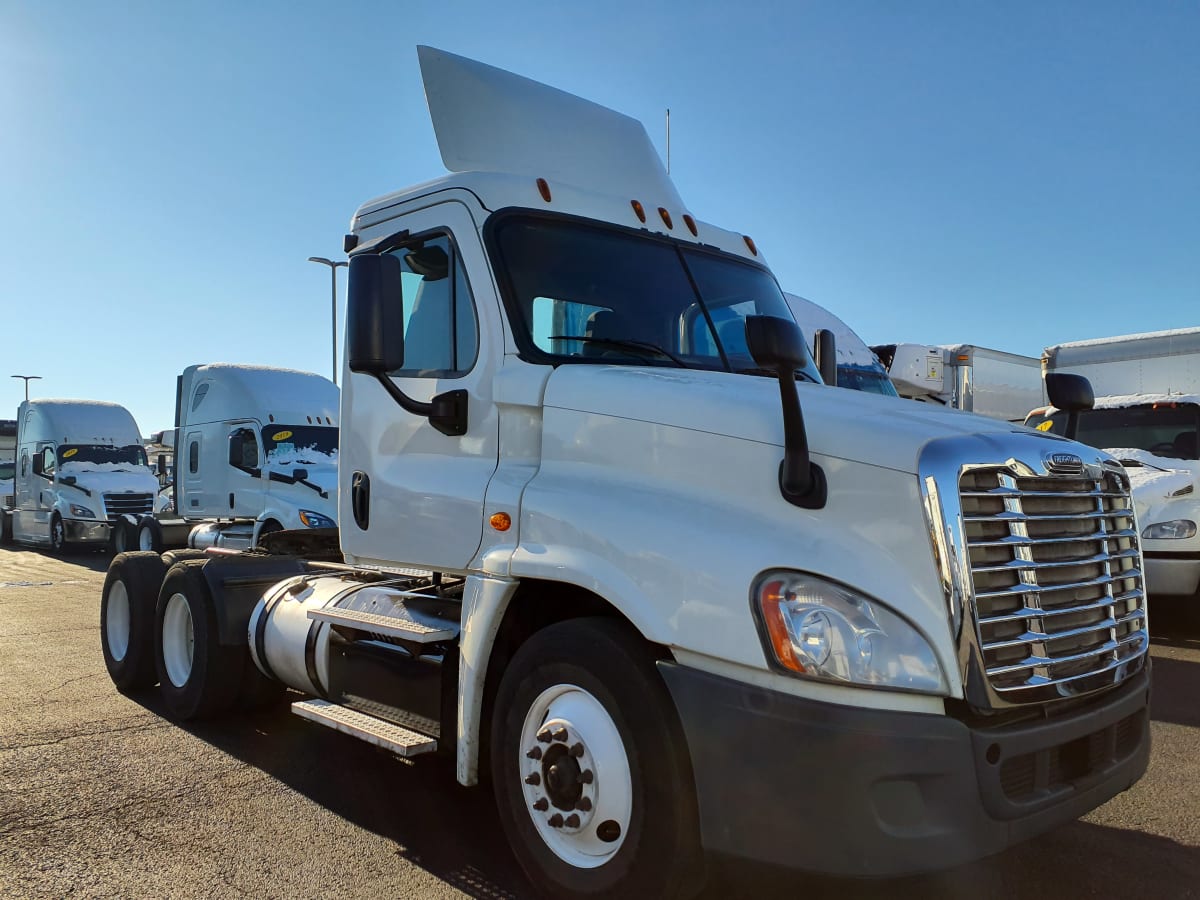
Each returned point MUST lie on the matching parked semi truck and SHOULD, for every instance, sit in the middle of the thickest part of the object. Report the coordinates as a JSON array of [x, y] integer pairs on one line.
[[80, 467], [605, 536], [253, 451], [992, 383], [1147, 414], [858, 368]]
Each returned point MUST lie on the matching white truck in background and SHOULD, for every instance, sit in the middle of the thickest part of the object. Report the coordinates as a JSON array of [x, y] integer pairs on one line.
[[975, 379], [858, 368], [253, 451], [80, 468], [605, 534], [1146, 414], [8, 468]]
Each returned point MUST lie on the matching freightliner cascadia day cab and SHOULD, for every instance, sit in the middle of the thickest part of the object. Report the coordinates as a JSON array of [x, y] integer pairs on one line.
[[604, 534], [80, 467], [1147, 415], [255, 452], [991, 383]]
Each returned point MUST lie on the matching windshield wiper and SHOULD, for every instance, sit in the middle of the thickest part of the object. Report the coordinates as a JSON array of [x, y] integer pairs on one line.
[[628, 344]]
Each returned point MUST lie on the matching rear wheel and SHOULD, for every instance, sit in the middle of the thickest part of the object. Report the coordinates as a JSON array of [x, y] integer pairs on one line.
[[149, 534], [198, 676], [590, 768], [127, 619]]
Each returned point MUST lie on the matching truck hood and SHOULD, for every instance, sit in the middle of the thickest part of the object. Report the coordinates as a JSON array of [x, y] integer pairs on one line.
[[852, 425], [109, 478]]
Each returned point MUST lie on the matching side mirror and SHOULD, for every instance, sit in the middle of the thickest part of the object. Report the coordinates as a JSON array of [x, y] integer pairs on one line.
[[300, 474], [374, 315], [825, 350], [1072, 394], [36, 462], [779, 344]]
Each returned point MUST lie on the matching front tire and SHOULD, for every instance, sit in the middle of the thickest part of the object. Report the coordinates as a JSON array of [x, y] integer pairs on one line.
[[127, 607], [58, 535], [590, 767], [199, 678], [149, 534]]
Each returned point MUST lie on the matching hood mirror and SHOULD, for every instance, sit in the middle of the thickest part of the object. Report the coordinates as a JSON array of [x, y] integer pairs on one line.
[[1072, 394]]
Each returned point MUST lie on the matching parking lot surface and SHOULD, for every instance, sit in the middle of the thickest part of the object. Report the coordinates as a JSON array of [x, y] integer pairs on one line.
[[101, 796]]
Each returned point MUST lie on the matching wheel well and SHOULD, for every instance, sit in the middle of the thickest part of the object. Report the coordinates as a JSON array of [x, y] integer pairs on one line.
[[537, 605]]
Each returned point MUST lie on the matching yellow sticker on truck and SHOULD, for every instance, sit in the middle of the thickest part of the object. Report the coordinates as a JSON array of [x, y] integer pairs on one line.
[[281, 436], [69, 453]]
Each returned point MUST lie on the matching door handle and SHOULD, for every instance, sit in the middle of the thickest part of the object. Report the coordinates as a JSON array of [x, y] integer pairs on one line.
[[360, 499]]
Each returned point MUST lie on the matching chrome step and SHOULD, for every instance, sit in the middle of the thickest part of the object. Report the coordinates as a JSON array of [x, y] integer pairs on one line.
[[392, 626], [375, 731]]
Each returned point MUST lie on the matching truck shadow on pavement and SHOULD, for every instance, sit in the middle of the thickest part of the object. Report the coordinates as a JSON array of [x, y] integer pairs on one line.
[[455, 834]]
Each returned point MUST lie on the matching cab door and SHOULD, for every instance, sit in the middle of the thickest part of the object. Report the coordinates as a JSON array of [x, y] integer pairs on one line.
[[244, 470], [408, 493]]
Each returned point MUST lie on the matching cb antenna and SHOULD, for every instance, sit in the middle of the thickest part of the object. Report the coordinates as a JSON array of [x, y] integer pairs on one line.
[[668, 140]]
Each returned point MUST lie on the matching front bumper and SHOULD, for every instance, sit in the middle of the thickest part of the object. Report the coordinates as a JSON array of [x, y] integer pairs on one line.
[[85, 531], [851, 791], [1171, 574]]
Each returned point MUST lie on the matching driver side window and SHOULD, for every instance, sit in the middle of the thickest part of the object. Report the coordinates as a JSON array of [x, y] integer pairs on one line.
[[243, 449], [48, 462]]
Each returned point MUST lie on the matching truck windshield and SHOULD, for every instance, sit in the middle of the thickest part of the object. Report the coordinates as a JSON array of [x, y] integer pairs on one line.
[[7, 470], [584, 293], [99, 454], [866, 380], [1164, 429], [300, 444]]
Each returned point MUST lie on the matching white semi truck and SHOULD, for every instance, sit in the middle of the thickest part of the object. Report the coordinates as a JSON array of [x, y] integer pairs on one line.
[[253, 451], [976, 379], [605, 536], [858, 368], [80, 468], [1147, 414]]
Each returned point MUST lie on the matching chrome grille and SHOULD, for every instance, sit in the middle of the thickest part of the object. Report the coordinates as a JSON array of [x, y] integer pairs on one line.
[[1059, 599], [117, 505]]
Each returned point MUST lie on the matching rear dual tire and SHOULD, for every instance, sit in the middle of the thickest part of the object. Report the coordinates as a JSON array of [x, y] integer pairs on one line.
[[127, 608]]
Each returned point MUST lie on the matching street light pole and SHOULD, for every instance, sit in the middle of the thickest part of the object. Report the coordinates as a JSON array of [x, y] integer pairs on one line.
[[333, 267], [28, 378]]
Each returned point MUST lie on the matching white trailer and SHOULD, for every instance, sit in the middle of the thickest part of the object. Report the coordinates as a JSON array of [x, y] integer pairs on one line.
[[600, 519], [975, 379], [254, 451], [1147, 414], [80, 468], [858, 368]]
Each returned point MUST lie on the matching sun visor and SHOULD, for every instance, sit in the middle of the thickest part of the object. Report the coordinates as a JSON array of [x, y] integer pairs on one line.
[[490, 120]]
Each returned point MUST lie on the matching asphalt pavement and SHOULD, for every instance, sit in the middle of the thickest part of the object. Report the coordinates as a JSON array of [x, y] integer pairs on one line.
[[102, 796]]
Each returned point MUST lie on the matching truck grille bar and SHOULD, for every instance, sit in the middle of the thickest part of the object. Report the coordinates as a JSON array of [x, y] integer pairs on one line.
[[1058, 599], [117, 505]]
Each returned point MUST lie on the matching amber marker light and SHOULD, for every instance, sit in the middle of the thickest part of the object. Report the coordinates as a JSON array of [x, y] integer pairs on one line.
[[501, 521], [666, 217], [750, 244], [544, 189], [772, 598], [638, 210], [691, 224]]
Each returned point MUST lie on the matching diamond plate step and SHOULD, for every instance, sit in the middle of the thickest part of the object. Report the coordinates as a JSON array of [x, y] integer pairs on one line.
[[392, 626], [375, 731]]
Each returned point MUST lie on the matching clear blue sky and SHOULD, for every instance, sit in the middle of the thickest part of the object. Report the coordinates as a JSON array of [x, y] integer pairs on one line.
[[1012, 174]]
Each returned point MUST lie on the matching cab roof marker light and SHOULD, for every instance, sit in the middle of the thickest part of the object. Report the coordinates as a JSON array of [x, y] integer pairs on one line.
[[543, 189], [638, 210], [666, 217], [691, 225], [750, 244]]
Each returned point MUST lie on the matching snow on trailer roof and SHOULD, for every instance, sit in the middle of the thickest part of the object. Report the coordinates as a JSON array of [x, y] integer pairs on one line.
[[219, 391], [500, 134], [1124, 338]]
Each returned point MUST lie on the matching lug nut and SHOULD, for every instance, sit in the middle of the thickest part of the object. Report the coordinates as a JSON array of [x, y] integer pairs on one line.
[[544, 736], [559, 734], [576, 750], [583, 804], [542, 805], [555, 821], [535, 753], [535, 779], [585, 777], [572, 821]]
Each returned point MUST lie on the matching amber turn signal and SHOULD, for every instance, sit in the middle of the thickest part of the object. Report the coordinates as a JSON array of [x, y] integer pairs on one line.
[[501, 521]]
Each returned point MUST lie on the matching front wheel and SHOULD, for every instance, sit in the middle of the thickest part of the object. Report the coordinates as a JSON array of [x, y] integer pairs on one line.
[[58, 535], [590, 768]]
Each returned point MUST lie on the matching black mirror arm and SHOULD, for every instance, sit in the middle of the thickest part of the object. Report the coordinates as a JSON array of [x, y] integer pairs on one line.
[[446, 412], [801, 481]]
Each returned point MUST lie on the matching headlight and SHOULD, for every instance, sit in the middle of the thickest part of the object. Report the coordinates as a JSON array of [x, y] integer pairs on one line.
[[316, 520], [817, 629], [82, 512], [1175, 530]]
